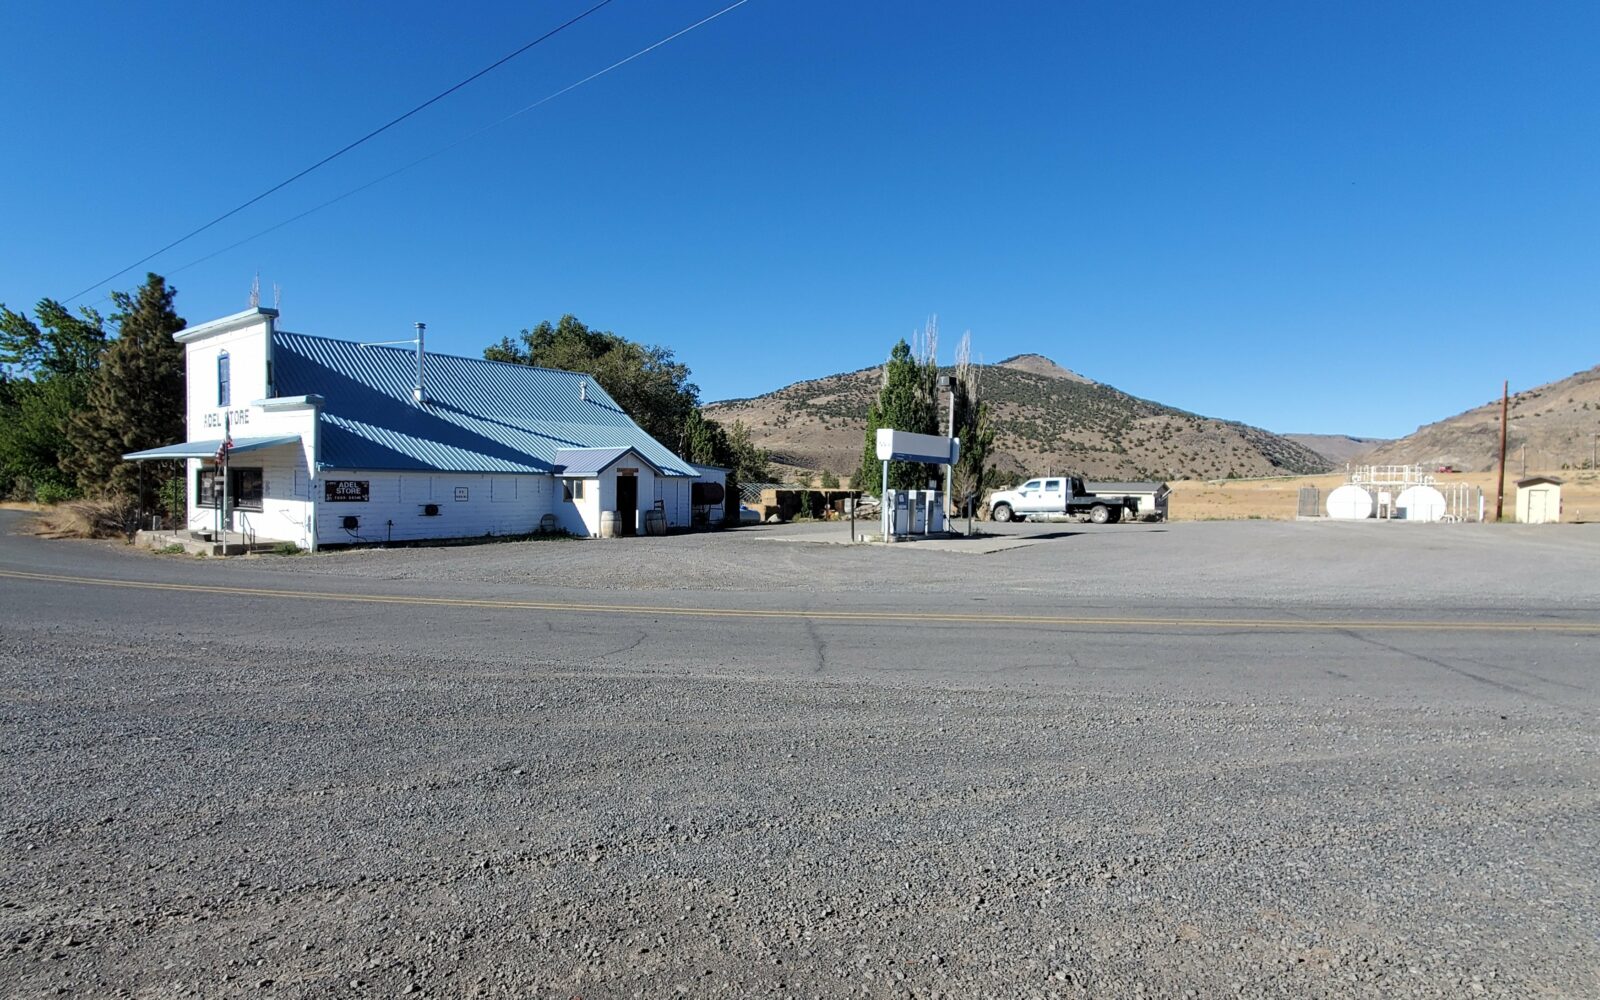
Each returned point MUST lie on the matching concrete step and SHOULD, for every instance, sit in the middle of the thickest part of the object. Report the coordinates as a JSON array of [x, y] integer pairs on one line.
[[207, 543]]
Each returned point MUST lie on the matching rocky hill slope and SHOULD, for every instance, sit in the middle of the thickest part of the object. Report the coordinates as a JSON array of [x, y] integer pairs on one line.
[[1048, 418], [1555, 423], [1337, 448]]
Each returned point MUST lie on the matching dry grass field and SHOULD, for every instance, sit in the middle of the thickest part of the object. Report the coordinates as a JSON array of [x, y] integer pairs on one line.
[[1275, 498]]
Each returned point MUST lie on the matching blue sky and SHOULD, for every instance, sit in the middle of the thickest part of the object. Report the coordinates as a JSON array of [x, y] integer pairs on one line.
[[1351, 217]]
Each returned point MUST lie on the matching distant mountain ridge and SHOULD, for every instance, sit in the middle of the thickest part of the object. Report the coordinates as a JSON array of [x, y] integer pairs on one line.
[[1554, 422], [1338, 448], [1047, 418]]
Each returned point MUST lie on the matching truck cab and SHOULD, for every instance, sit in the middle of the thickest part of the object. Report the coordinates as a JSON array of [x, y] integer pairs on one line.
[[1041, 496]]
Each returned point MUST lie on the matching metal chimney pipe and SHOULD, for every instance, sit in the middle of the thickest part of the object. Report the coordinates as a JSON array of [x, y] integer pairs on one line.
[[417, 392]]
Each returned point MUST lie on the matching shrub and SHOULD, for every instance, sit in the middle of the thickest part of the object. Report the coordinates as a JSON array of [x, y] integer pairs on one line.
[[284, 549], [107, 517], [53, 493]]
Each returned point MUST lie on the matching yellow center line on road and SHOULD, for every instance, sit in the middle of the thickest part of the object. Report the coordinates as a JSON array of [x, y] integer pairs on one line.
[[924, 617]]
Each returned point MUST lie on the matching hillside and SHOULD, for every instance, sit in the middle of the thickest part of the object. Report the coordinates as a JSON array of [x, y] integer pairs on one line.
[[1047, 418], [1555, 423], [1337, 448]]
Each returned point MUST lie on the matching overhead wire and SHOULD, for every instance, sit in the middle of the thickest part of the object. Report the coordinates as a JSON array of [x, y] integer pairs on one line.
[[463, 139], [343, 150]]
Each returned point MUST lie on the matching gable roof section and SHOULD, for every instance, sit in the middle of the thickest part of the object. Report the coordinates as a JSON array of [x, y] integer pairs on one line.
[[480, 416], [593, 461]]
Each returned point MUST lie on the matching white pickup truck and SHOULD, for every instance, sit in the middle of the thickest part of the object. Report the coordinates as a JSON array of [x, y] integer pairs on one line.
[[1059, 496]]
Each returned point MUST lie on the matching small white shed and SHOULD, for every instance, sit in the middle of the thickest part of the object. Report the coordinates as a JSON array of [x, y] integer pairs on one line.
[[1539, 500]]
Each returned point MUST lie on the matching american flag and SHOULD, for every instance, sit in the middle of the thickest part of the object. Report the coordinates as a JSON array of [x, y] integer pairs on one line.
[[227, 440]]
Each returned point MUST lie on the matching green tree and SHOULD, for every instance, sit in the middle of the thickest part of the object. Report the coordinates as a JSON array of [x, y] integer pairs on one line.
[[830, 481], [705, 441], [47, 366], [702, 440], [972, 476], [137, 398], [647, 381], [905, 403], [751, 464]]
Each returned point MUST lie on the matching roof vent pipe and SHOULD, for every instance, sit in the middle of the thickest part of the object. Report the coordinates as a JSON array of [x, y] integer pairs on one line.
[[583, 389], [417, 393]]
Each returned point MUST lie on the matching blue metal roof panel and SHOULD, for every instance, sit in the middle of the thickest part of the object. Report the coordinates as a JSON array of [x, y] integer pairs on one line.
[[207, 449], [593, 461], [480, 416]]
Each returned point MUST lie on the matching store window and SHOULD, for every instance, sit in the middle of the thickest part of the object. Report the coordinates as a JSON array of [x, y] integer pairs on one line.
[[245, 489]]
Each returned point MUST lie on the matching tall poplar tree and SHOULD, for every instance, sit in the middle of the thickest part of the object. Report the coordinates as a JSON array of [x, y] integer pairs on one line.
[[972, 475], [137, 399]]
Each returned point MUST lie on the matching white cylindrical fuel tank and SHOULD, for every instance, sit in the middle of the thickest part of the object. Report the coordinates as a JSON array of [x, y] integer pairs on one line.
[[1421, 503], [1350, 503]]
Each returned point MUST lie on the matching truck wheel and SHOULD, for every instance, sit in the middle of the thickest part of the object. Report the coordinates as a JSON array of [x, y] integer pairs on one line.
[[1002, 512], [1100, 513]]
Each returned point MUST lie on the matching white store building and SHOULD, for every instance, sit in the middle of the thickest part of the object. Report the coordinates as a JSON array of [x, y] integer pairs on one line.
[[337, 443]]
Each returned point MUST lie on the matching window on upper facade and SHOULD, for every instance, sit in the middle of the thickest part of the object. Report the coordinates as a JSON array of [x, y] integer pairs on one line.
[[224, 386]]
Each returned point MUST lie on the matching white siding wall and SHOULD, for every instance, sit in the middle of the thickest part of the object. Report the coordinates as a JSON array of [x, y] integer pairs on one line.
[[647, 493], [494, 505], [247, 363], [581, 517], [675, 497], [286, 471]]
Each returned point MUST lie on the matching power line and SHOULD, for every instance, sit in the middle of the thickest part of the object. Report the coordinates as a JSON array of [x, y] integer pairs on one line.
[[335, 155], [466, 138]]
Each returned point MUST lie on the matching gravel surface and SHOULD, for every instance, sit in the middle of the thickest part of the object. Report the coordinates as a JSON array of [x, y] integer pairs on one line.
[[218, 821], [228, 790], [1260, 562]]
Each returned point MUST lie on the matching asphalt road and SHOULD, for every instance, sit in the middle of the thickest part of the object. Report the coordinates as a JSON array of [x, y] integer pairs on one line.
[[1245, 759]]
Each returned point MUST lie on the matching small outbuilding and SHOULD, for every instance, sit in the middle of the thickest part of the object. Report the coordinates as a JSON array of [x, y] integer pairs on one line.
[[1539, 500]]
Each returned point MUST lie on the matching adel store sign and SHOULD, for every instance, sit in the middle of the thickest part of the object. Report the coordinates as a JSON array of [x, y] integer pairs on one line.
[[346, 490]]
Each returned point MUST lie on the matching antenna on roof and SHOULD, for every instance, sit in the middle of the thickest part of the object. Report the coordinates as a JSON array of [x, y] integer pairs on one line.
[[255, 291], [277, 296]]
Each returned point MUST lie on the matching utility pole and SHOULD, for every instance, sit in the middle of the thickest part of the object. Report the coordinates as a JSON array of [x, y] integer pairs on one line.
[[1500, 490]]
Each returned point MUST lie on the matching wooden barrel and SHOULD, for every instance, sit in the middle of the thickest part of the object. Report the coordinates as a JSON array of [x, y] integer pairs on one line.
[[608, 524], [655, 522]]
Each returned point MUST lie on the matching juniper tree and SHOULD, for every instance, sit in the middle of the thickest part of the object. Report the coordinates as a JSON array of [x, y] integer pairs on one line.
[[137, 398], [905, 403]]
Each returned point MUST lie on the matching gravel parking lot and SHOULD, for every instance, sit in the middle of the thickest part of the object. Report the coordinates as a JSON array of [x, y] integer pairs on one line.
[[241, 793]]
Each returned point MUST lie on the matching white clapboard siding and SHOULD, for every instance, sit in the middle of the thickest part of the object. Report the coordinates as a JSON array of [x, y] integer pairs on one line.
[[470, 505]]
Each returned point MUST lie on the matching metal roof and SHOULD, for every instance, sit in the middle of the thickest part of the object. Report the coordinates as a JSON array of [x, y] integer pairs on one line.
[[479, 416], [593, 461], [206, 449]]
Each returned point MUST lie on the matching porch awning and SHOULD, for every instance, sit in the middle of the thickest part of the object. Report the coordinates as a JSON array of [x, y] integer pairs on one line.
[[206, 449]]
